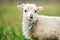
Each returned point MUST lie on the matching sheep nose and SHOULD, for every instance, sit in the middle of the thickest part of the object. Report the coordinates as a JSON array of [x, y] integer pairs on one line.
[[31, 16]]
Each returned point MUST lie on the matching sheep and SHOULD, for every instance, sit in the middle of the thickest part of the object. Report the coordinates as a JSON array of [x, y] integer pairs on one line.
[[39, 27]]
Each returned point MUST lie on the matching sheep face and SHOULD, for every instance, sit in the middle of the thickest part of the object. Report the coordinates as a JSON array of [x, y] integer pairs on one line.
[[29, 11]]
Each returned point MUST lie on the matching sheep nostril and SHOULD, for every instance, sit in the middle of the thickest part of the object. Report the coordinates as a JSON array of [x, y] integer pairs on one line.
[[31, 17]]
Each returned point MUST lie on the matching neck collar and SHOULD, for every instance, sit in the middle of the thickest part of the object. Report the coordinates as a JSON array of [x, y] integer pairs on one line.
[[30, 25]]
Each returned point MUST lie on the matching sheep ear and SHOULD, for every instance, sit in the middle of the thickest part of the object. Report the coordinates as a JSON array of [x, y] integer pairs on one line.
[[20, 6], [39, 8]]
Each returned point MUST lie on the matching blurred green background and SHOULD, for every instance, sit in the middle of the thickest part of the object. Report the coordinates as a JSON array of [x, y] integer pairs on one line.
[[11, 17]]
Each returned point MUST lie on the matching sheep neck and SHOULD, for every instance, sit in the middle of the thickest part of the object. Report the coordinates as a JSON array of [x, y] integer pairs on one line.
[[31, 24]]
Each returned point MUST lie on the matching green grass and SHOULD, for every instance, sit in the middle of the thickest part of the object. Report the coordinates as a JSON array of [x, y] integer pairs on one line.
[[11, 20]]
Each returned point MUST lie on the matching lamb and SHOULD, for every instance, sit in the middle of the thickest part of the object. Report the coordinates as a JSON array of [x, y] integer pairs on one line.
[[39, 27]]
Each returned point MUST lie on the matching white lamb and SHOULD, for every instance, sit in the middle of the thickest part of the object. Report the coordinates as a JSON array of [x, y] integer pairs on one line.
[[39, 27]]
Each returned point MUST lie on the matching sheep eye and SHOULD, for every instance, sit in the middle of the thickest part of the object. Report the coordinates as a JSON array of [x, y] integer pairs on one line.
[[25, 10], [35, 11]]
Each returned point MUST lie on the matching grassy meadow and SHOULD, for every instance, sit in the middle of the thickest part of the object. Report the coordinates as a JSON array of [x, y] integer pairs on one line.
[[11, 19]]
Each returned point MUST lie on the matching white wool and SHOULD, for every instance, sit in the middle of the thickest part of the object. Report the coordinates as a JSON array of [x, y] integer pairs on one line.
[[47, 26]]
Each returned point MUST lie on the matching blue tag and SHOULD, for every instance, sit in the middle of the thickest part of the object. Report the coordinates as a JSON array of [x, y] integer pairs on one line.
[[30, 26]]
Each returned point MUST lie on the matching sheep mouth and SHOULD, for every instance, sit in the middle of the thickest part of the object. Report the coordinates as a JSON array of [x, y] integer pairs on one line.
[[30, 19]]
